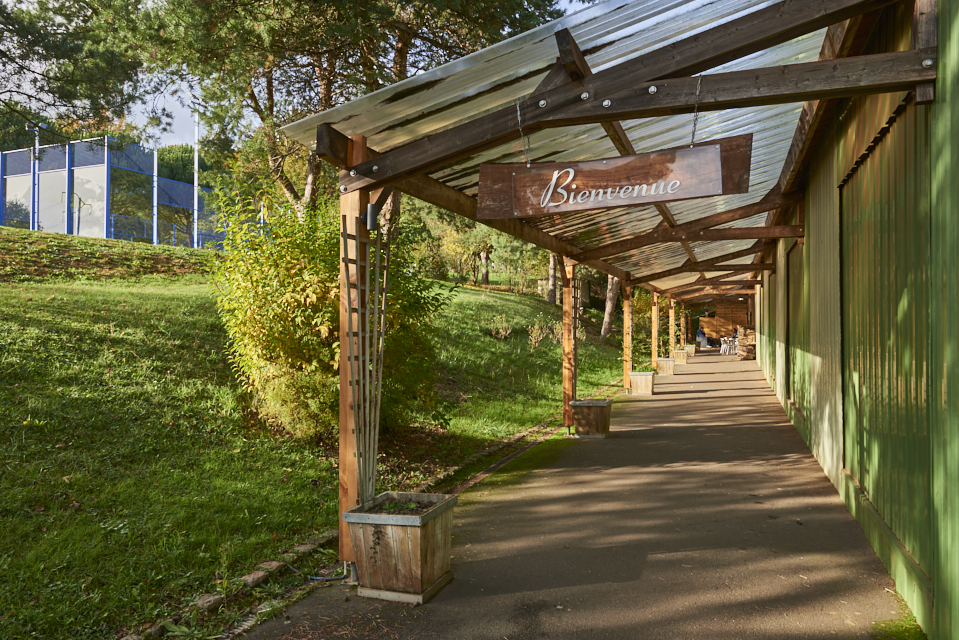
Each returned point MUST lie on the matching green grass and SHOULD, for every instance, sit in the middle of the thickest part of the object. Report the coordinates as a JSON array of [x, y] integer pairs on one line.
[[903, 627], [129, 478], [503, 386], [135, 476], [31, 256]]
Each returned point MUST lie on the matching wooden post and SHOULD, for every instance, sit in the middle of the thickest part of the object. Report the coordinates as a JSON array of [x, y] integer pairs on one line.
[[627, 333], [924, 37], [682, 325], [672, 326], [351, 206], [568, 273], [655, 343]]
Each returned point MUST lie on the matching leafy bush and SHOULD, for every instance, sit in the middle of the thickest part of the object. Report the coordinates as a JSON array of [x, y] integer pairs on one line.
[[500, 327], [278, 287]]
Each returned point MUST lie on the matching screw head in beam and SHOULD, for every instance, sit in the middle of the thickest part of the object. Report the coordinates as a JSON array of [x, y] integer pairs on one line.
[[927, 63], [375, 168], [653, 89], [542, 103], [352, 173], [606, 103], [342, 188], [584, 96]]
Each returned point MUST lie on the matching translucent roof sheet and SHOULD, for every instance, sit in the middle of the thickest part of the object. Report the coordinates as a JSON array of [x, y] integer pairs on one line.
[[608, 34]]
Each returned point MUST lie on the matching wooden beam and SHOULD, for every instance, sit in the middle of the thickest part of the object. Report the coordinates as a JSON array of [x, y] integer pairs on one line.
[[568, 273], [654, 344], [735, 39], [839, 42], [771, 201], [876, 73], [701, 266], [576, 67], [682, 324], [672, 326], [738, 233], [627, 333], [352, 205], [330, 144], [705, 281], [719, 294], [924, 37]]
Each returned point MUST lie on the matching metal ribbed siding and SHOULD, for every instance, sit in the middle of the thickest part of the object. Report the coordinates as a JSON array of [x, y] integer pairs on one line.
[[885, 238], [797, 305], [944, 336], [825, 327]]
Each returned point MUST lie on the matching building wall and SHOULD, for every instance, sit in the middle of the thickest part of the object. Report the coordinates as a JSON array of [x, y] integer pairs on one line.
[[880, 354], [825, 413], [943, 310]]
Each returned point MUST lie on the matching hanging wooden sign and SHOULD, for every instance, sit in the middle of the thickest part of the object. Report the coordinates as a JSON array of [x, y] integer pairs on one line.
[[714, 168]]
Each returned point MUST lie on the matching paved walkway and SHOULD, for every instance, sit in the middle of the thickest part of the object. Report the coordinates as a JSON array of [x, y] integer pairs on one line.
[[702, 516]]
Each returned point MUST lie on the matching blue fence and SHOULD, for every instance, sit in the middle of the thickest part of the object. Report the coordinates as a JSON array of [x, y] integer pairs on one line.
[[100, 188]]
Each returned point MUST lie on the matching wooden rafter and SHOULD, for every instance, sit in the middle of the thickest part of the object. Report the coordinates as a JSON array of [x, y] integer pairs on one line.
[[718, 294], [717, 279], [748, 34], [772, 200], [574, 64], [331, 146], [876, 73], [706, 265]]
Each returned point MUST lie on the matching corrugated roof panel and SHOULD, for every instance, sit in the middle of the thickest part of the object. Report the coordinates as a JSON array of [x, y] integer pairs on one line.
[[608, 34]]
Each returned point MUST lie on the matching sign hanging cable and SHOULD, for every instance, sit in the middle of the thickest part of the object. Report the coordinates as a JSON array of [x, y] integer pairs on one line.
[[699, 85], [525, 139]]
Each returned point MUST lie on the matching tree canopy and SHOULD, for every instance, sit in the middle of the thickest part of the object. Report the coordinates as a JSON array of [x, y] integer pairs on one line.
[[67, 60], [260, 64]]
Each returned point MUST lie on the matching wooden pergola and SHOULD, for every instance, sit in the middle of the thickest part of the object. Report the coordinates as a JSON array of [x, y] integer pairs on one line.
[[729, 67]]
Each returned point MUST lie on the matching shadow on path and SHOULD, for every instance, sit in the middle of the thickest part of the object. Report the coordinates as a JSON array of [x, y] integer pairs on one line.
[[703, 515]]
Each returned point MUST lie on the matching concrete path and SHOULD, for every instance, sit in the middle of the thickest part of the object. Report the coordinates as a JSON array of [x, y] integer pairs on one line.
[[703, 515]]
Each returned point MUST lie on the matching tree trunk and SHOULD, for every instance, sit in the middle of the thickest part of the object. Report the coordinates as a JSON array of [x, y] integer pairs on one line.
[[551, 292], [612, 293], [484, 258]]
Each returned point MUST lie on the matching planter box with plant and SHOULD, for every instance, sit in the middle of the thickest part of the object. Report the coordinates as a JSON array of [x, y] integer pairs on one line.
[[591, 417], [665, 366], [690, 350], [402, 543], [679, 356], [642, 381]]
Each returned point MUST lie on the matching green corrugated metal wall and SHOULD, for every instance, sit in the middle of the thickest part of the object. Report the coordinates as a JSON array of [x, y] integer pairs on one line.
[[877, 342], [797, 366], [825, 331], [885, 313], [944, 333]]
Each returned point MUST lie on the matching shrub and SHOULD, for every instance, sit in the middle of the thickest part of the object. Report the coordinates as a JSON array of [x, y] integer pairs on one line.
[[278, 285], [500, 328]]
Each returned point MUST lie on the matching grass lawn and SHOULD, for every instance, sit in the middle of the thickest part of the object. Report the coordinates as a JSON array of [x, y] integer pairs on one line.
[[129, 478], [135, 478]]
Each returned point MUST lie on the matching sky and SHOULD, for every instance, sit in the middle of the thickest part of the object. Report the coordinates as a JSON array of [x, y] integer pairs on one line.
[[182, 130]]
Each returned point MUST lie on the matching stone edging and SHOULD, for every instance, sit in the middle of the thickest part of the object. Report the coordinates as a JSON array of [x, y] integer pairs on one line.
[[261, 573]]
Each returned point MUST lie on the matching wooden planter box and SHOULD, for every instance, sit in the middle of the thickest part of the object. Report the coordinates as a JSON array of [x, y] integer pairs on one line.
[[665, 366], [690, 350], [591, 417], [403, 558], [641, 383], [680, 356]]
